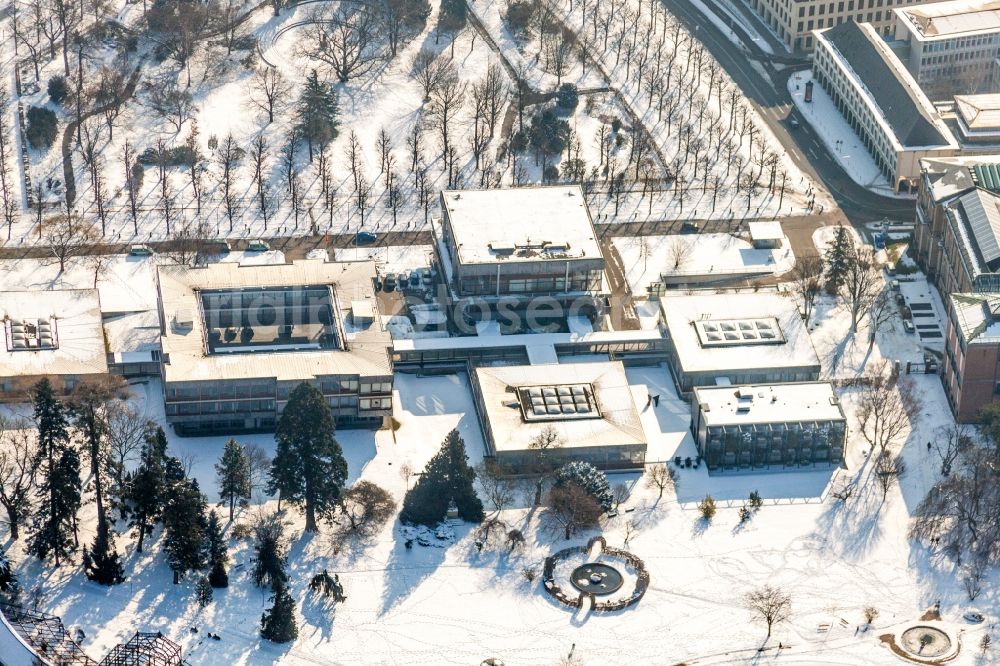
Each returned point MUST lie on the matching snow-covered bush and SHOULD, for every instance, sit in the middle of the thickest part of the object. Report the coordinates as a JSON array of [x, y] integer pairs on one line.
[[588, 477]]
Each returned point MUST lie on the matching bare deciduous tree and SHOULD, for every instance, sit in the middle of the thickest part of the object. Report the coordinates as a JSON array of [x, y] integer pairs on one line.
[[661, 477], [366, 506], [679, 251], [429, 71], [544, 458], [497, 488], [259, 158], [885, 406], [572, 508], [170, 103], [348, 41], [446, 102], [807, 282], [960, 509], [889, 469], [9, 198], [862, 284], [882, 313], [950, 442], [17, 471], [268, 90], [228, 158], [768, 604], [66, 237]]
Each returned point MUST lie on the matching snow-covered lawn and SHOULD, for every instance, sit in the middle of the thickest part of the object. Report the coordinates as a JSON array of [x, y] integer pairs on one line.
[[646, 258], [840, 140], [454, 605]]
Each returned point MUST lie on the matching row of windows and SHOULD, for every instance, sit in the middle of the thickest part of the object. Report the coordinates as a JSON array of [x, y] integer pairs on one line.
[[962, 43], [224, 390]]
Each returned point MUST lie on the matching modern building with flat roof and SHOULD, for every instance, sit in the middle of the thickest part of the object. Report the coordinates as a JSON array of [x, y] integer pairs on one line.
[[590, 406], [236, 340], [785, 426], [794, 21], [50, 333], [505, 248], [957, 233], [970, 372], [977, 119], [881, 102], [736, 338], [952, 47]]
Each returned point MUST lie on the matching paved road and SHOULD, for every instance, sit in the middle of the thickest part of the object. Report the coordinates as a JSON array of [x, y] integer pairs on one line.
[[766, 89]]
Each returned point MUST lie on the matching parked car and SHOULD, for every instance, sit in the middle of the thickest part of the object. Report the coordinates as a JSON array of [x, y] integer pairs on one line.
[[402, 281], [389, 283], [908, 326], [426, 277], [365, 238], [974, 617], [258, 246], [414, 279], [879, 241], [793, 122], [140, 251], [219, 246]]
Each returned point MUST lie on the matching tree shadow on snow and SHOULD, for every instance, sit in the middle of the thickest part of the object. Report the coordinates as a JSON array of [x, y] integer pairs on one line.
[[407, 568], [852, 527]]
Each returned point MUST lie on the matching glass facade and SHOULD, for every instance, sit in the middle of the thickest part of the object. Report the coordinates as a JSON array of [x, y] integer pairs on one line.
[[772, 445]]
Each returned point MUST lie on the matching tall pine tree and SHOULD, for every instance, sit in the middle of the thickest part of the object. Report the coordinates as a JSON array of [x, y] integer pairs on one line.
[[101, 562], [89, 404], [317, 116], [308, 469], [185, 525], [9, 587], [837, 255], [147, 487], [233, 476], [54, 530], [218, 552], [447, 477], [278, 624]]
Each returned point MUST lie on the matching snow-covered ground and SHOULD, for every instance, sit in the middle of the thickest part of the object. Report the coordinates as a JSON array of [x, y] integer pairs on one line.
[[454, 605], [646, 258], [840, 140]]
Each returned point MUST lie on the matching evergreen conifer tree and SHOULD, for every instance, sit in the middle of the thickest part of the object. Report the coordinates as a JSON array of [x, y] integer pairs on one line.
[[54, 530], [218, 552], [204, 592], [837, 256], [308, 469], [9, 586], [278, 624], [185, 525], [148, 486], [446, 477], [318, 113], [101, 562], [233, 473], [588, 477], [269, 553]]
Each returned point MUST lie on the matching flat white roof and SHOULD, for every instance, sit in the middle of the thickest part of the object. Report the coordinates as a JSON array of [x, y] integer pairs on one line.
[[776, 403], [183, 340], [766, 230], [77, 317], [682, 313], [979, 112], [945, 20], [614, 422], [521, 224]]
